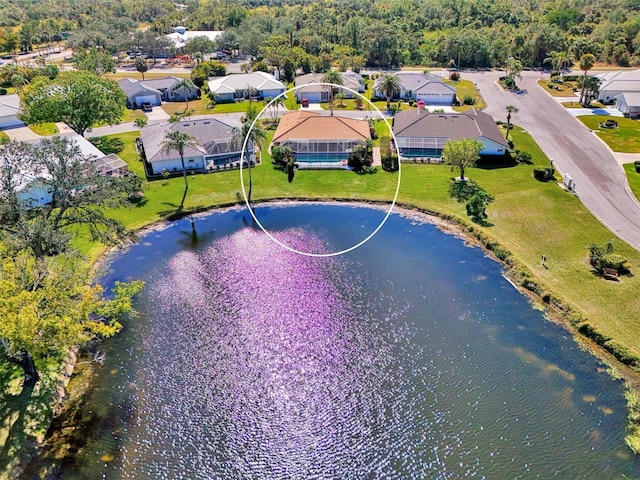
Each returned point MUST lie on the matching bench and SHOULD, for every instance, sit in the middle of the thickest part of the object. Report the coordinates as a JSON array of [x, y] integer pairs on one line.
[[610, 273]]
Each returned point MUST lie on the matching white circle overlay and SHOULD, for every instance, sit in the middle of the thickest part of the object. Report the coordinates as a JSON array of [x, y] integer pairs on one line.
[[246, 199]]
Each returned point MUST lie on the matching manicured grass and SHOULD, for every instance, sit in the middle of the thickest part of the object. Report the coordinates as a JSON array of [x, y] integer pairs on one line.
[[132, 115], [44, 129], [625, 138], [633, 177], [564, 89], [464, 88], [4, 138]]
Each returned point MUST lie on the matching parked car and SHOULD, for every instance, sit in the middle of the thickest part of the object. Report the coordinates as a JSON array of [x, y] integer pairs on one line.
[[305, 102]]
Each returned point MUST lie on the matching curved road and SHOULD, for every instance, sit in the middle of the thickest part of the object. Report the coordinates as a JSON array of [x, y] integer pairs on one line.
[[600, 181]]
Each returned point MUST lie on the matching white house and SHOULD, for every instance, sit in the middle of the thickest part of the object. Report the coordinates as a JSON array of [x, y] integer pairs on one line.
[[10, 112], [431, 89], [239, 85], [215, 147], [629, 103], [423, 135], [614, 83], [33, 187], [181, 36]]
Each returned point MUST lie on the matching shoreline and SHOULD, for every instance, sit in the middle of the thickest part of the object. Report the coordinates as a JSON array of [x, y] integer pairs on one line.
[[554, 309]]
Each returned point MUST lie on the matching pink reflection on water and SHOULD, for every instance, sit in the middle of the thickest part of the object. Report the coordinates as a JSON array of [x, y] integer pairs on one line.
[[283, 353]]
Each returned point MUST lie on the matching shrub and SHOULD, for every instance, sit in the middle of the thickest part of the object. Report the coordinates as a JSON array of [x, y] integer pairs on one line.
[[468, 100], [615, 261], [3, 91], [543, 174], [108, 145], [455, 76], [525, 157], [621, 352]]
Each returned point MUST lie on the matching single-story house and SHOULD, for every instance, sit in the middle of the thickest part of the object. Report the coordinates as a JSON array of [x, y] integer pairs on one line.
[[215, 146], [33, 186], [155, 91], [320, 141], [423, 135], [431, 89], [243, 85], [629, 103], [309, 86], [614, 83], [170, 89], [10, 112], [181, 36], [137, 93]]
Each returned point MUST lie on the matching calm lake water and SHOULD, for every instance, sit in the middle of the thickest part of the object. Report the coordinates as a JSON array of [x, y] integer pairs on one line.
[[410, 357]]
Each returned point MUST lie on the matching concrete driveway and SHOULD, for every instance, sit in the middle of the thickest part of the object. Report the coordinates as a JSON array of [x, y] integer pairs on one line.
[[600, 181]]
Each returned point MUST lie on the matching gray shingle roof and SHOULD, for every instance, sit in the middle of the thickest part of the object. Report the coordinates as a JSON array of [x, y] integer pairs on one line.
[[454, 126], [9, 105], [240, 81], [164, 83], [417, 82], [213, 137], [132, 88]]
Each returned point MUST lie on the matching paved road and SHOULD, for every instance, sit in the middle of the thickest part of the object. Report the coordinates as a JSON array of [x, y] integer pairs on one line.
[[600, 181]]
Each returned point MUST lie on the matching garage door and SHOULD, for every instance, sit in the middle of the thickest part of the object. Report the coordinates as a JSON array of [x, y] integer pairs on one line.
[[10, 121], [152, 99]]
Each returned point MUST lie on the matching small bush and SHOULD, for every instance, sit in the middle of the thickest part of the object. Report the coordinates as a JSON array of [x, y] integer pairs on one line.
[[455, 76], [468, 100], [622, 353], [3, 91], [615, 261], [543, 174], [525, 157]]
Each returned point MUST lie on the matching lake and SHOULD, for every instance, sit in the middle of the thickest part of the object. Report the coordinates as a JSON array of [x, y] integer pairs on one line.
[[408, 357]]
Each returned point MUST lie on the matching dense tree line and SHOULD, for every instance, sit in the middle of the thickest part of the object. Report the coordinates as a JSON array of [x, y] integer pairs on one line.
[[474, 33]]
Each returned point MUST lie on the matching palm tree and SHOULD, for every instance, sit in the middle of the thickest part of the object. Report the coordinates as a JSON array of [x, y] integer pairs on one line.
[[514, 68], [141, 65], [177, 140], [586, 63], [559, 61], [256, 137], [198, 57], [510, 109], [187, 85], [389, 84], [334, 78], [274, 108]]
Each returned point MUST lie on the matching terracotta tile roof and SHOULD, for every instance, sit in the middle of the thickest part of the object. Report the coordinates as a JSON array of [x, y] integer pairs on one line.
[[454, 126], [313, 125]]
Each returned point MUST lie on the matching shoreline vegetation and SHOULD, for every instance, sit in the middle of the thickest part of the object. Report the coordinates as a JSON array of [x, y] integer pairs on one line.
[[571, 294]]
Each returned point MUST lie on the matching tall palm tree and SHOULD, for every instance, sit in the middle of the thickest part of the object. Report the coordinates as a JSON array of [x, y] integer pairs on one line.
[[187, 85], [334, 78], [389, 84], [256, 137], [559, 61], [510, 109], [586, 63], [177, 140], [274, 108]]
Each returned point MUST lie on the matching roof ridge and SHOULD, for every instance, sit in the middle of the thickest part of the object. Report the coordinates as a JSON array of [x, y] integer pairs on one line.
[[343, 121]]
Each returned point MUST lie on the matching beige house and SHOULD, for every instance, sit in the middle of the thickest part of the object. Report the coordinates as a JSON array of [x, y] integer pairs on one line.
[[320, 141]]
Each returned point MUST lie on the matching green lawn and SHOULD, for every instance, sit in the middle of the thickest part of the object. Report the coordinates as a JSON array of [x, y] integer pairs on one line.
[[44, 129], [464, 88], [564, 89], [633, 177], [625, 138]]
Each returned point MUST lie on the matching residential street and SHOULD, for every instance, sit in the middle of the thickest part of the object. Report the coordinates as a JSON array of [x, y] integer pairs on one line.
[[600, 181]]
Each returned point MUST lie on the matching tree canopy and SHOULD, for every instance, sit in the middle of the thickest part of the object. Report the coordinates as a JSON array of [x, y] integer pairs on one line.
[[78, 98], [462, 154], [80, 195]]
